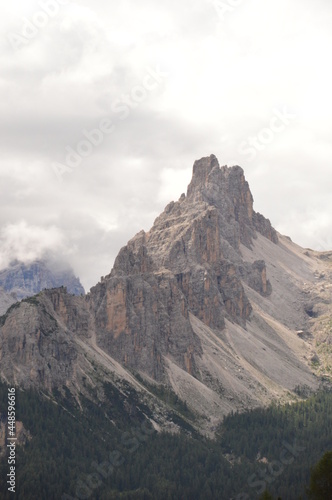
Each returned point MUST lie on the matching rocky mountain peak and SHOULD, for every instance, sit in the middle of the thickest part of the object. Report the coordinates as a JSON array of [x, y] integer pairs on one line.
[[189, 262], [226, 189], [196, 303], [201, 175], [223, 187]]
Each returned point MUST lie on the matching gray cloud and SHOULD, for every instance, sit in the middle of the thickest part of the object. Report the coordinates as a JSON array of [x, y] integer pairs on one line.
[[226, 76]]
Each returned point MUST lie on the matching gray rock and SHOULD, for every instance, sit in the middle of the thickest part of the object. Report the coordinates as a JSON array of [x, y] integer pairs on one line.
[[26, 280], [190, 303]]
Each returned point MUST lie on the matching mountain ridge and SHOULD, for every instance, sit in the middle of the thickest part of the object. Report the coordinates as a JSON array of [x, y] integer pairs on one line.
[[21, 280], [208, 303]]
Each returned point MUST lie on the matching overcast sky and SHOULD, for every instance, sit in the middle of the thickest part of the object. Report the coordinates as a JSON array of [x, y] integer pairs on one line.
[[105, 105]]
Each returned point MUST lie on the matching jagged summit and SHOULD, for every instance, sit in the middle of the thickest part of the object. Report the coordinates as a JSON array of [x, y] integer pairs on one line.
[[201, 171], [227, 189], [207, 302], [207, 172], [219, 197]]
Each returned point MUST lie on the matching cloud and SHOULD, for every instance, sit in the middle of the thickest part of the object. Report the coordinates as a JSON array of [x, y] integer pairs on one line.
[[225, 78], [27, 243]]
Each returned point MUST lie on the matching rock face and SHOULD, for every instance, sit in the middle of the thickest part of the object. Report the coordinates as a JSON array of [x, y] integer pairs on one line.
[[36, 348], [188, 262], [26, 280], [207, 302]]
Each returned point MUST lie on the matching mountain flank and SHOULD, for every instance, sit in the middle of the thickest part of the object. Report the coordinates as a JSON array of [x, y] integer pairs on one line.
[[211, 303]]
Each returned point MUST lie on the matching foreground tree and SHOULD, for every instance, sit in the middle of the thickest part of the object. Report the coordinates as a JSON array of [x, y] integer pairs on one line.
[[321, 479], [266, 496]]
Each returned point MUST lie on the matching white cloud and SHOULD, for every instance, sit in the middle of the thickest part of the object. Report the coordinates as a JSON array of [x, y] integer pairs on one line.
[[27, 243]]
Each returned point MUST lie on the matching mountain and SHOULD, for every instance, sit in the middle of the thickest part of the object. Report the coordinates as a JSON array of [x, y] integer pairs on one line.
[[6, 300], [25, 280], [211, 305]]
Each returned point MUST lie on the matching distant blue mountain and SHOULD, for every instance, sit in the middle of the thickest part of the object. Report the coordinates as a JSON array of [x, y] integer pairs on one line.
[[25, 280]]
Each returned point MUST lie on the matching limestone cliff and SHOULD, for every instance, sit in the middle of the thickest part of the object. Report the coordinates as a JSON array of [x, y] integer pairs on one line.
[[188, 262], [208, 302]]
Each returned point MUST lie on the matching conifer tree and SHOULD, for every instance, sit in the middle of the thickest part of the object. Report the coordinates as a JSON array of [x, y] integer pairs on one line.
[[321, 479]]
